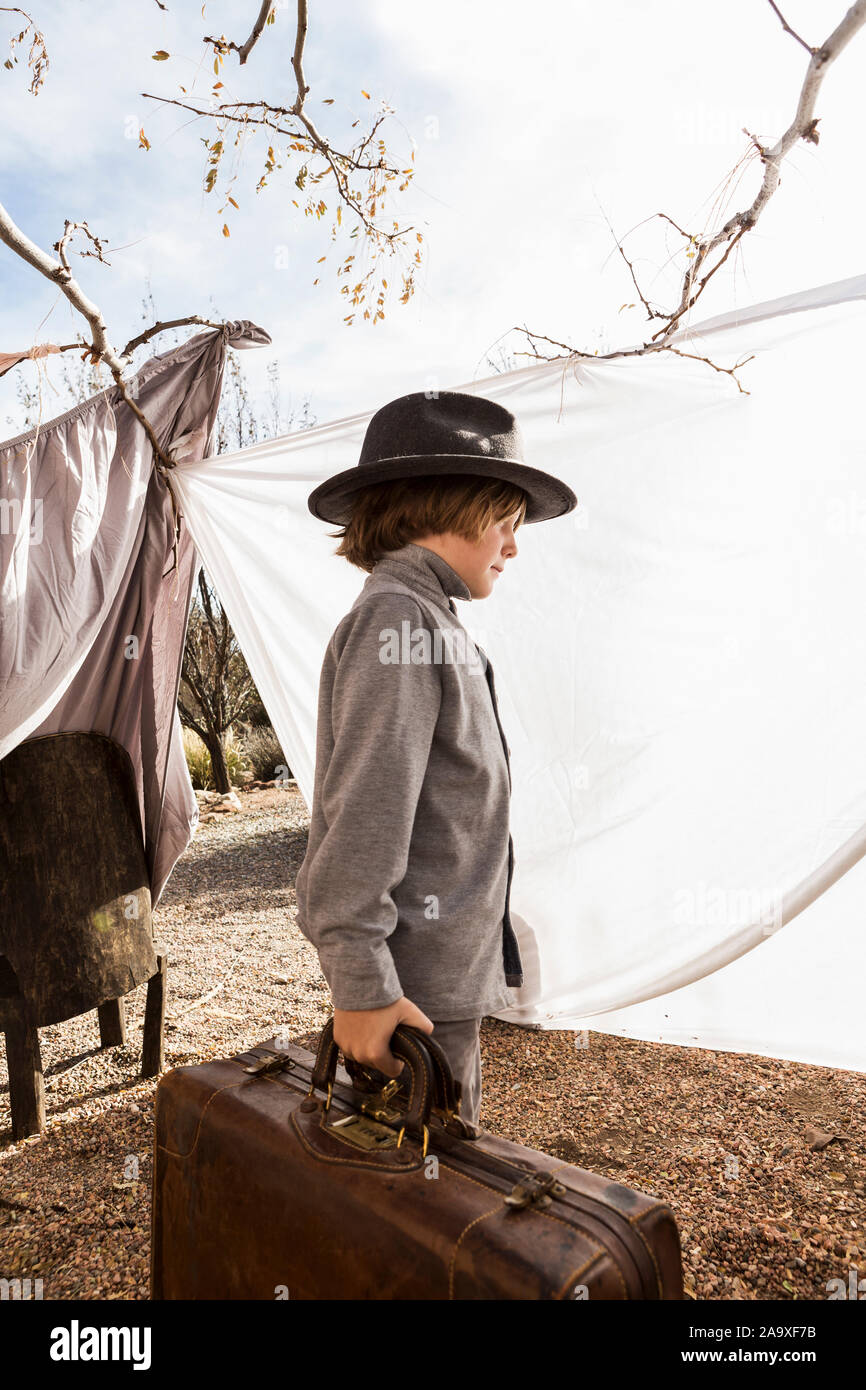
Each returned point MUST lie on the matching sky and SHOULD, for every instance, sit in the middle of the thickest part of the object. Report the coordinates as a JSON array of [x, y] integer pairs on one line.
[[541, 136]]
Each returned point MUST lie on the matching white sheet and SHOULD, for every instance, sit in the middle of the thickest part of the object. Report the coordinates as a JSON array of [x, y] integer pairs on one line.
[[681, 666]]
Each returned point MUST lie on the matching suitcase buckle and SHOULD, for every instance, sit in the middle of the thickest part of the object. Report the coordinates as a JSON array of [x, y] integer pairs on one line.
[[277, 1062], [376, 1104], [535, 1190]]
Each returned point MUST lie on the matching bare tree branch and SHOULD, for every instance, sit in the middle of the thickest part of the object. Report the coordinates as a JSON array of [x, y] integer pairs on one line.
[[188, 717], [802, 127], [161, 327], [59, 273], [788, 30], [700, 269], [643, 351], [99, 348], [243, 50], [731, 371], [298, 55]]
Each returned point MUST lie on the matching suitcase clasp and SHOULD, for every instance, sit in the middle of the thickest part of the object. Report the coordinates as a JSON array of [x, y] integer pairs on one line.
[[375, 1104], [278, 1062], [535, 1190]]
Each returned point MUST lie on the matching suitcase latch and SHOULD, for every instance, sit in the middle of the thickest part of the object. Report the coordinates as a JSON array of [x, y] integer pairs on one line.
[[375, 1104], [280, 1061], [535, 1191]]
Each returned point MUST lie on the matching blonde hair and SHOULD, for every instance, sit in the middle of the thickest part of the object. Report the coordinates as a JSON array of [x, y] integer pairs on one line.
[[386, 516]]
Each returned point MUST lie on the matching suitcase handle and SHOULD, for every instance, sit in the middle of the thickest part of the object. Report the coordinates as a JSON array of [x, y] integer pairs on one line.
[[448, 1089], [406, 1042]]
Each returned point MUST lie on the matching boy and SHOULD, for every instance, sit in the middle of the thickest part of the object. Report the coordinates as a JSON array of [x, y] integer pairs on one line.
[[405, 884]]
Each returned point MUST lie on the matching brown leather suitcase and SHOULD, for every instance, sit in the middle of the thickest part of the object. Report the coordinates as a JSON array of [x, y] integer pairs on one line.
[[276, 1177]]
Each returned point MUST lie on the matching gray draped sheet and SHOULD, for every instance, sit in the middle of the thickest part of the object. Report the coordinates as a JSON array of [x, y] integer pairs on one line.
[[93, 614]]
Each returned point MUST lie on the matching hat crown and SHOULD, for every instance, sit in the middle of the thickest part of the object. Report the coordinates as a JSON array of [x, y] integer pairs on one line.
[[445, 422]]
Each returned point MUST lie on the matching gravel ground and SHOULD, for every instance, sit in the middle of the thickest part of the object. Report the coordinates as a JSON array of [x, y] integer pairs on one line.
[[769, 1206]]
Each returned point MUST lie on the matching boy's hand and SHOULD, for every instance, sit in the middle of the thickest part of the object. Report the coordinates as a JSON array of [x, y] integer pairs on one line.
[[363, 1035]]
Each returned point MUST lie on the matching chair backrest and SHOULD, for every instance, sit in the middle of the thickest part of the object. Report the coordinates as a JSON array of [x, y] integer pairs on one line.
[[75, 906]]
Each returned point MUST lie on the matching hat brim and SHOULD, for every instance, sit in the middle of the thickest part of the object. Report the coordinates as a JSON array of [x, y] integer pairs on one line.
[[547, 497]]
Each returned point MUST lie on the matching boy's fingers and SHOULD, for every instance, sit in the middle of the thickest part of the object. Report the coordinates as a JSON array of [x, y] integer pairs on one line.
[[417, 1019], [389, 1064]]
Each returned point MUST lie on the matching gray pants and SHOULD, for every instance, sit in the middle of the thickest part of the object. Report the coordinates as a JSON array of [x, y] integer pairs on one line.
[[460, 1042]]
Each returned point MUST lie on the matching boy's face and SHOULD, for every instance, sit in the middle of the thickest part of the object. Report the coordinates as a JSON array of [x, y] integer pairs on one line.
[[479, 563]]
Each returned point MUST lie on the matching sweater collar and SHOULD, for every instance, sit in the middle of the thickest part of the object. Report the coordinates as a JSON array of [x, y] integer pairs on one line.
[[418, 566]]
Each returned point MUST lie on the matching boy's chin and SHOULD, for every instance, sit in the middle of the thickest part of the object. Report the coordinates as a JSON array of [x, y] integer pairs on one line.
[[483, 588]]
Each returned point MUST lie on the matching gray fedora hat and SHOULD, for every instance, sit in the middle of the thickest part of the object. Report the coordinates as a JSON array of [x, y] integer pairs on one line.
[[451, 432]]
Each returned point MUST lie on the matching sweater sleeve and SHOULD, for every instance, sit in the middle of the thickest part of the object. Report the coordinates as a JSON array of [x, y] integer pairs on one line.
[[383, 716]]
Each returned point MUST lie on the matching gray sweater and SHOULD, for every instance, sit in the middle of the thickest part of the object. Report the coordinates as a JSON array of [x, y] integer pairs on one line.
[[405, 884]]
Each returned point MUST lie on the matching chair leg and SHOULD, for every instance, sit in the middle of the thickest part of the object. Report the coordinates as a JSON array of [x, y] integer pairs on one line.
[[26, 1085], [153, 1042], [112, 1023]]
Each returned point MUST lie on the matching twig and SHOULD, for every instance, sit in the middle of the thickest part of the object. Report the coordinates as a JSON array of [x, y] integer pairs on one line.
[[73, 1066], [197, 1003], [243, 50], [731, 371], [161, 327], [226, 111], [788, 30]]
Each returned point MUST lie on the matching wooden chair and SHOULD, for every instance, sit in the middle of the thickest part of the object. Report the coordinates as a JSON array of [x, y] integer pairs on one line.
[[76, 931]]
